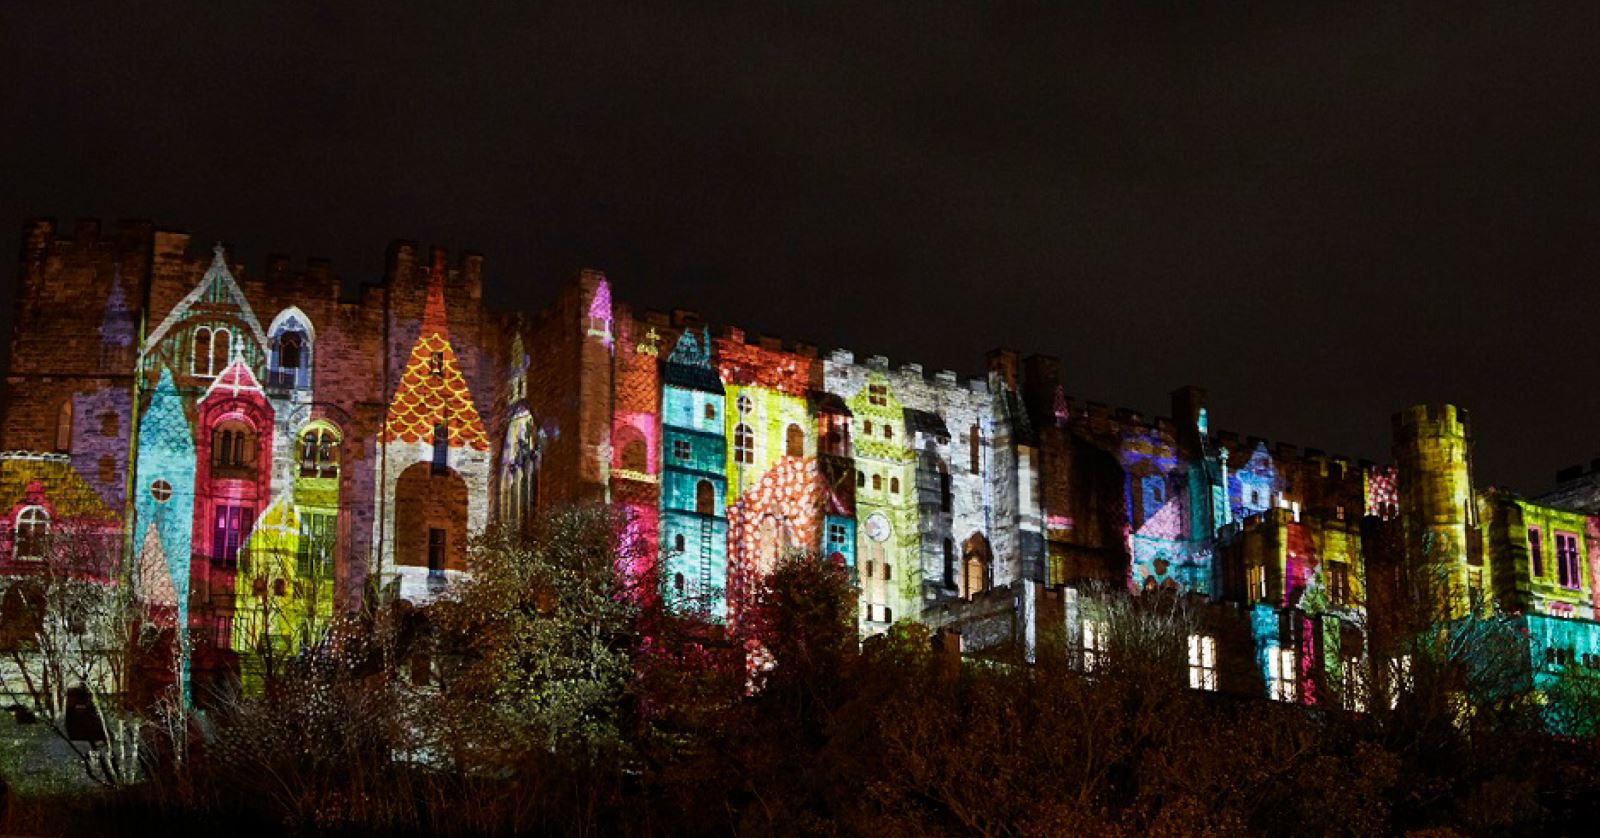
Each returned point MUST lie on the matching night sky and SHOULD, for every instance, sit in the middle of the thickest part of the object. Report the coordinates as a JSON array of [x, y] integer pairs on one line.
[[1321, 216]]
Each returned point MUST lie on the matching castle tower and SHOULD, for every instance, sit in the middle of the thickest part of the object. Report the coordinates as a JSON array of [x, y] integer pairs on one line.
[[433, 462], [1442, 557]]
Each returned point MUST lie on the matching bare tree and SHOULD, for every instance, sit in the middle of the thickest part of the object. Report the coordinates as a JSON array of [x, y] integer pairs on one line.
[[75, 638]]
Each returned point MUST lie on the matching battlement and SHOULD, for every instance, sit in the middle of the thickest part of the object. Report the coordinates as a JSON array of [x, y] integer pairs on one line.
[[1445, 420]]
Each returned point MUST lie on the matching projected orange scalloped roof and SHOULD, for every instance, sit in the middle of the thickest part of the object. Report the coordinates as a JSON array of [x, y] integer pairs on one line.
[[432, 389]]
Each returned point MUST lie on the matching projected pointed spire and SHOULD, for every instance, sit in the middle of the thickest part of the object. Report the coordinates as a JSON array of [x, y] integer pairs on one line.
[[432, 390], [433, 313]]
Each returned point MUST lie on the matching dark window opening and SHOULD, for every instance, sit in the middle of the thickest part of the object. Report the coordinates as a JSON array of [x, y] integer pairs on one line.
[[705, 498], [441, 447], [436, 547]]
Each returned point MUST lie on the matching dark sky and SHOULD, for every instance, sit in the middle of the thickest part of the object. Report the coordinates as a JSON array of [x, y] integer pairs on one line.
[[1322, 216]]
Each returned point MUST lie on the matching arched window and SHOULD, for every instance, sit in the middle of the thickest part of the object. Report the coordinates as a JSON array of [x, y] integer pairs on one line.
[[32, 533], [877, 482], [319, 452], [290, 356], [291, 350], [633, 453], [677, 542], [233, 447], [711, 412], [705, 501], [634, 456], [64, 427], [861, 478], [894, 485], [200, 358], [795, 441], [221, 350], [744, 444], [677, 582]]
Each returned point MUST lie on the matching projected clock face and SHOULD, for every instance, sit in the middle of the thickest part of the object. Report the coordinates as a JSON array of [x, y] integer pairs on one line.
[[877, 526]]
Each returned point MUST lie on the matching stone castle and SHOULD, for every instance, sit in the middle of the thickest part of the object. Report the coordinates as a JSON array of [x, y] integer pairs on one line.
[[258, 449]]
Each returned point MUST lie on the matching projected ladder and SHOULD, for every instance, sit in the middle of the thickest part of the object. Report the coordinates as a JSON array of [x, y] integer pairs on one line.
[[705, 556]]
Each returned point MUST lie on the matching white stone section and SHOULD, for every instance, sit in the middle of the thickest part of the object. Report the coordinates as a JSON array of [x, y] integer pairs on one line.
[[412, 583]]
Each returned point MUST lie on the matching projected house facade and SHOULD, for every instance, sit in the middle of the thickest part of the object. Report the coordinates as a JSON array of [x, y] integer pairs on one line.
[[267, 452]]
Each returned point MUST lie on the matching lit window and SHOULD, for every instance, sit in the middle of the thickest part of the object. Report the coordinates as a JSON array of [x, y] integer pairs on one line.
[[744, 444], [32, 533], [1281, 674], [1258, 583], [1094, 644], [436, 365], [680, 450], [1055, 568], [1203, 662]]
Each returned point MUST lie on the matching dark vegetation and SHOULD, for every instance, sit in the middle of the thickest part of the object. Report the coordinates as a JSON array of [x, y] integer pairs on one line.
[[545, 697]]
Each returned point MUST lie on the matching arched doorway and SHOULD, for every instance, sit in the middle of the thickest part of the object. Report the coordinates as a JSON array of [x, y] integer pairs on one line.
[[430, 508]]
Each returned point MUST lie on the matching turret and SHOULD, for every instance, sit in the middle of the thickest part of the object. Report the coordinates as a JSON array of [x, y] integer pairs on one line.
[[1442, 554]]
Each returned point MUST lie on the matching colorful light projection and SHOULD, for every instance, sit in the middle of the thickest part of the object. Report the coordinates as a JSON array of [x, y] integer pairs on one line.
[[783, 512], [694, 528], [1254, 487], [434, 464]]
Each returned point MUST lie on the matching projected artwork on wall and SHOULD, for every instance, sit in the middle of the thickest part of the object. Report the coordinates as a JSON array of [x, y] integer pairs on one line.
[[269, 451]]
